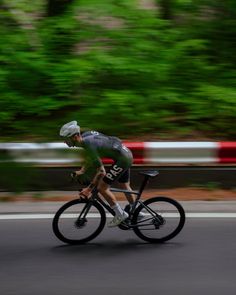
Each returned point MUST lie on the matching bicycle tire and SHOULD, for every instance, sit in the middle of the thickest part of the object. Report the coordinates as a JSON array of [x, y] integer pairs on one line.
[[158, 200], [74, 241]]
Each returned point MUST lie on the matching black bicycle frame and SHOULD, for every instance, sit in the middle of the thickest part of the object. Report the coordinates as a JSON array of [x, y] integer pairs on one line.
[[95, 198]]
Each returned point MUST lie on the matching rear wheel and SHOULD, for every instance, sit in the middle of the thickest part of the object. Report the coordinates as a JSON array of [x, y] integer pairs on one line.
[[158, 219], [79, 221]]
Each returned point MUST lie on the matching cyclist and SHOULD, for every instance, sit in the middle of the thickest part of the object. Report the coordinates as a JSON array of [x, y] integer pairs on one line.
[[96, 146]]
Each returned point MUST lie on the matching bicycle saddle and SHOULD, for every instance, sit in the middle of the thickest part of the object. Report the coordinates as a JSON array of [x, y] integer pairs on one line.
[[151, 173]]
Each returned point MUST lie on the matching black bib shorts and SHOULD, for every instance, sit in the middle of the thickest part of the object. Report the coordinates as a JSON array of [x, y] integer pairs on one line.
[[120, 170]]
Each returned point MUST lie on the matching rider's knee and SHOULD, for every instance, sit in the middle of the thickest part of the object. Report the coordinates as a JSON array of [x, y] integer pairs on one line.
[[124, 185], [102, 187]]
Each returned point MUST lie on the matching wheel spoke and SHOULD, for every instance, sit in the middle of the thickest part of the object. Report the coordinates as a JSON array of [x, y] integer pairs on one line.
[[161, 219], [78, 221]]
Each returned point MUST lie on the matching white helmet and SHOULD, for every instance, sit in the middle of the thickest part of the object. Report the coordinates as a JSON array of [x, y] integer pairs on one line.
[[69, 129]]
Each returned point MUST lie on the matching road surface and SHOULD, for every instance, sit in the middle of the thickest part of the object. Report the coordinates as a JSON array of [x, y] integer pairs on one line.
[[200, 260]]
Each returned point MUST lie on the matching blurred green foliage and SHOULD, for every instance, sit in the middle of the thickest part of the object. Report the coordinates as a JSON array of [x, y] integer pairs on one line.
[[15, 176], [123, 67]]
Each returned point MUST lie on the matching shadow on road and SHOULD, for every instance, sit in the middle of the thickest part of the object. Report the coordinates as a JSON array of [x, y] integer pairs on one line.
[[110, 247]]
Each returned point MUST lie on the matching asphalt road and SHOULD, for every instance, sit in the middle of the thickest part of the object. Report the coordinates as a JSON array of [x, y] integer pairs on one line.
[[200, 260]]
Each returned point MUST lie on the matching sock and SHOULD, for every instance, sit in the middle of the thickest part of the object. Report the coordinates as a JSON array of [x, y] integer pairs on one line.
[[118, 210]]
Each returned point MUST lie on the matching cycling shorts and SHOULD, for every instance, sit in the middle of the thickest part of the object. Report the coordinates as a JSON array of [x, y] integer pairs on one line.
[[120, 170]]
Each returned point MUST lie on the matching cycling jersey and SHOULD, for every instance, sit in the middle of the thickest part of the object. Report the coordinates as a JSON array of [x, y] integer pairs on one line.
[[97, 145]]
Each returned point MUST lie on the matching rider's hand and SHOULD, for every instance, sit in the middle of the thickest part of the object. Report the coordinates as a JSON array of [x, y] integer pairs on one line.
[[76, 174], [86, 192]]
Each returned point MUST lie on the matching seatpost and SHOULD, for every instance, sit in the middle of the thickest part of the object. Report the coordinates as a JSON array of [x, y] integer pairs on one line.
[[143, 184]]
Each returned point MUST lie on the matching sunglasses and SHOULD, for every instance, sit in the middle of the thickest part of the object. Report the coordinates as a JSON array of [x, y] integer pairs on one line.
[[69, 141]]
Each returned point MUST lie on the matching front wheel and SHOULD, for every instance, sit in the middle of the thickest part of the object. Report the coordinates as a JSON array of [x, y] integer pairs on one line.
[[79, 221], [158, 219]]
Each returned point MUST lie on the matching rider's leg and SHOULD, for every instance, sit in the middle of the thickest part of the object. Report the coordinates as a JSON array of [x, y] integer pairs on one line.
[[130, 197], [120, 214], [124, 183], [126, 186], [104, 190], [116, 172]]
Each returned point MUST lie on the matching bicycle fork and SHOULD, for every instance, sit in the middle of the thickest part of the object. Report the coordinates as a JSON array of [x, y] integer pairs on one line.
[[81, 220]]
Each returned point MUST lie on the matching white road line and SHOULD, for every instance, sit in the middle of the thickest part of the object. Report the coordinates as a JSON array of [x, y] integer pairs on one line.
[[25, 216], [43, 216], [95, 215], [211, 215]]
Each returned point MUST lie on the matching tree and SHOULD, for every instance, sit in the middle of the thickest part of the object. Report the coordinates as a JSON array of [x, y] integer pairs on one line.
[[57, 7], [166, 9]]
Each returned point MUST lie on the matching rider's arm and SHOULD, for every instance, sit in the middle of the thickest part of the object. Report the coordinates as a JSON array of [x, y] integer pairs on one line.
[[101, 172], [90, 160], [81, 171]]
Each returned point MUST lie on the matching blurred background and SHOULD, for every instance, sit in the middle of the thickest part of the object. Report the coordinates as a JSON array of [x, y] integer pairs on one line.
[[159, 69], [147, 71], [143, 70]]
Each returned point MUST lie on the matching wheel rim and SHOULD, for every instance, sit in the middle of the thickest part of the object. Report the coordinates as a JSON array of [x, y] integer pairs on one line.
[[166, 223], [69, 228]]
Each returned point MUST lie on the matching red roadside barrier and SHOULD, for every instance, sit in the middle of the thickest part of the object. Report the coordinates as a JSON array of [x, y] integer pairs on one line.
[[227, 152]]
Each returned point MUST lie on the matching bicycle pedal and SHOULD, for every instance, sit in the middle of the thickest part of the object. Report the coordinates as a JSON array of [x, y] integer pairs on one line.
[[125, 225]]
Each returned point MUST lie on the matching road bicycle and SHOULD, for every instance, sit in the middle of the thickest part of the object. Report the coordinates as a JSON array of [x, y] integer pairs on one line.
[[81, 220]]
